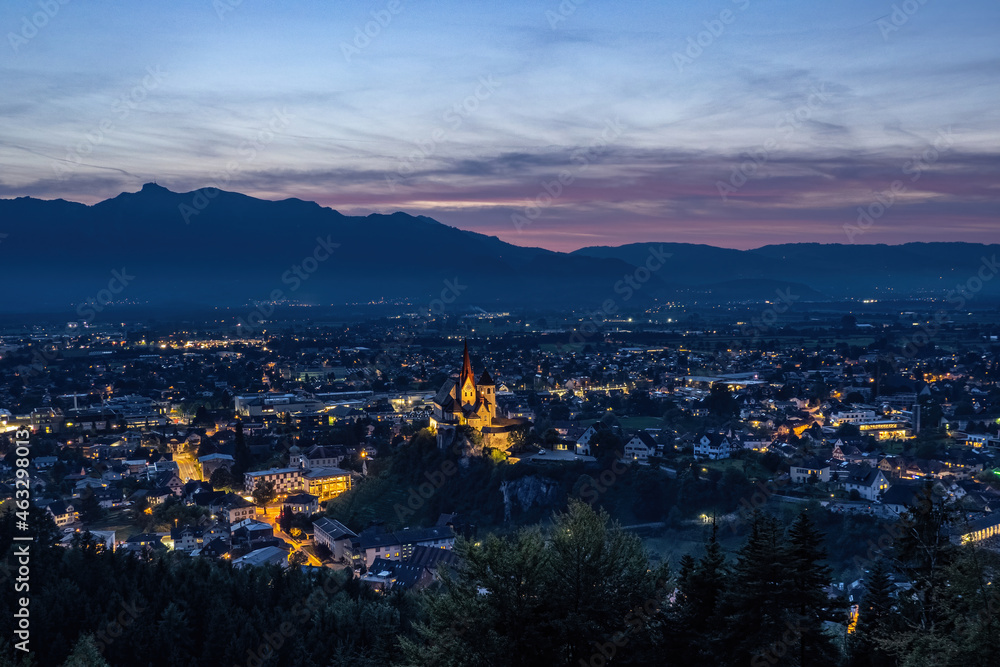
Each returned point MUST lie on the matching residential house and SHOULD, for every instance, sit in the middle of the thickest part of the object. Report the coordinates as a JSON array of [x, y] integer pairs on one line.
[[215, 548], [62, 512], [169, 479], [44, 462], [902, 496], [248, 532], [869, 482], [712, 446], [194, 488], [157, 496], [810, 469], [109, 497], [892, 466], [142, 543], [433, 559], [583, 442], [233, 508], [640, 447], [187, 538], [302, 503]]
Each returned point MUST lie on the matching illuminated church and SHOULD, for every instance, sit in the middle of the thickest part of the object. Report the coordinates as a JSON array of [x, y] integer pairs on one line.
[[463, 401]]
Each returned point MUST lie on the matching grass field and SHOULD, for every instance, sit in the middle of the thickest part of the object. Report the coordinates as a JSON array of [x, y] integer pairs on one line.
[[118, 521], [631, 423], [753, 470], [671, 544]]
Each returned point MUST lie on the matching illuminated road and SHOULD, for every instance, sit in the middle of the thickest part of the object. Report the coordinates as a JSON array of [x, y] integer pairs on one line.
[[187, 467], [272, 519]]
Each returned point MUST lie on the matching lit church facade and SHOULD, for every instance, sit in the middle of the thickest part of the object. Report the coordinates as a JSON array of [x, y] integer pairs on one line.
[[463, 401]]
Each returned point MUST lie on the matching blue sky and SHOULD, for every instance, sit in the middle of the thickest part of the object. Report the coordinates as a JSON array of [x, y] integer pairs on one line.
[[471, 112]]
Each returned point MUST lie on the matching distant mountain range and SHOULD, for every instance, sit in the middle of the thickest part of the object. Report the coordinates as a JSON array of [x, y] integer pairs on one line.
[[157, 247]]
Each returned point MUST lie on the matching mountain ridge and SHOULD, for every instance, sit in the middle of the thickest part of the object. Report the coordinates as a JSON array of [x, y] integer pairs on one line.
[[232, 249]]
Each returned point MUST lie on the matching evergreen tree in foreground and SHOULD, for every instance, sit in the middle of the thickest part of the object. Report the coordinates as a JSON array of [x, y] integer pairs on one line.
[[701, 586], [806, 600], [586, 593], [876, 621]]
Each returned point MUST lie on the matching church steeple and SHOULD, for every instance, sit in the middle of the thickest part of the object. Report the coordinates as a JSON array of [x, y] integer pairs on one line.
[[466, 367], [467, 393]]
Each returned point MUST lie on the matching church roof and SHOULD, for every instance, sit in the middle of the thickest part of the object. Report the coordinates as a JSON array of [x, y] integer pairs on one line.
[[466, 368], [445, 395], [485, 378]]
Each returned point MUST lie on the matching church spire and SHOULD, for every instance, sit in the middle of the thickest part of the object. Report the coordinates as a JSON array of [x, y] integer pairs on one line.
[[466, 367]]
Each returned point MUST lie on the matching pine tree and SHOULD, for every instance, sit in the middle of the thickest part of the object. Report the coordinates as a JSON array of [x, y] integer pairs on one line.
[[285, 519], [241, 453], [924, 553], [807, 602], [686, 569], [701, 585], [753, 607], [599, 577], [876, 621], [85, 654], [706, 584]]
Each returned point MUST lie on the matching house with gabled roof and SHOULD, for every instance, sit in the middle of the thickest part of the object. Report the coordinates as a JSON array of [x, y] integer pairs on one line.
[[62, 512], [640, 447], [870, 483], [583, 441], [712, 446], [801, 472]]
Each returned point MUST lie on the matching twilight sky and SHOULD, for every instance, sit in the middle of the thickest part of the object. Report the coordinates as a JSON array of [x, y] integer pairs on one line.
[[472, 112]]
